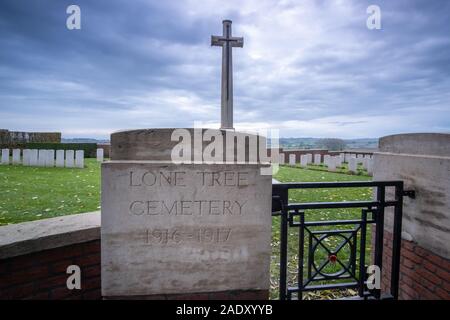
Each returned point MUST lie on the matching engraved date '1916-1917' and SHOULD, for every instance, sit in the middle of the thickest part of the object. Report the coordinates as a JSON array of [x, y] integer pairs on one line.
[[177, 236]]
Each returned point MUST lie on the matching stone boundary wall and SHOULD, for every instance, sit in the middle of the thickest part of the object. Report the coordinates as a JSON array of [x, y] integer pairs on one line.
[[322, 152], [14, 137], [422, 162], [34, 257], [299, 152], [42, 274]]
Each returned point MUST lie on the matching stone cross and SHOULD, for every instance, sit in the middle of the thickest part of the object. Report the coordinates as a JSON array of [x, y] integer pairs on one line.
[[227, 42]]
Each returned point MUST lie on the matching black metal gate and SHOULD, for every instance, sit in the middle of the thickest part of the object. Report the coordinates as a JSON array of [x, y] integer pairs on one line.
[[342, 266]]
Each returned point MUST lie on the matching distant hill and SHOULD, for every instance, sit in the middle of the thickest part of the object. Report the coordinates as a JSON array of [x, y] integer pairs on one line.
[[314, 143], [366, 143], [291, 143]]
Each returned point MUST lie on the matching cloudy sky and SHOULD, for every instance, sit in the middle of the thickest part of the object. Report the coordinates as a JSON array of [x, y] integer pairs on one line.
[[308, 68]]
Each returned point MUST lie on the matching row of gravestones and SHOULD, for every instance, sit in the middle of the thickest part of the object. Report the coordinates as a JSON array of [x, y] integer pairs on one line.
[[332, 162], [46, 158]]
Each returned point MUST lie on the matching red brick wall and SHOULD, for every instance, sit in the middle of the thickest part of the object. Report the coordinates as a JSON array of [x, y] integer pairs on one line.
[[424, 275], [42, 275], [298, 153]]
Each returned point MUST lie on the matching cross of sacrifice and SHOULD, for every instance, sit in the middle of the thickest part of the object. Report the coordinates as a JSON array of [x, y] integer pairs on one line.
[[227, 42]]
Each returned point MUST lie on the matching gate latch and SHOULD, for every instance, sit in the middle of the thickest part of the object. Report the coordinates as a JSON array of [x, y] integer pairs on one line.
[[409, 193]]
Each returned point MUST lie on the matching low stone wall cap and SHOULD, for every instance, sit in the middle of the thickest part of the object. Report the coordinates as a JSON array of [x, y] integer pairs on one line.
[[433, 144], [27, 237]]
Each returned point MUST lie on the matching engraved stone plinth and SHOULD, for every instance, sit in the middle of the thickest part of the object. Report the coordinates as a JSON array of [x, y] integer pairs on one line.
[[182, 228]]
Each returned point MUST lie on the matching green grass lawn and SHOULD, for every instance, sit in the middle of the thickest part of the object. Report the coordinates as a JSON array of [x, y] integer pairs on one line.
[[296, 174], [31, 193]]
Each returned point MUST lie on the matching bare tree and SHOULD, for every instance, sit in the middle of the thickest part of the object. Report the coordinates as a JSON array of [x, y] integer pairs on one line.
[[332, 144]]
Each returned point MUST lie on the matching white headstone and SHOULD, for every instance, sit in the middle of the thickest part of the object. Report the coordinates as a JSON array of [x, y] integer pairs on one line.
[[326, 159], [16, 156], [42, 157], [60, 158], [26, 157], [100, 155], [353, 165], [317, 159], [370, 166], [331, 163], [292, 159], [338, 160], [364, 163], [79, 158], [50, 161], [360, 158], [34, 157], [5, 156], [70, 155], [304, 160], [282, 158]]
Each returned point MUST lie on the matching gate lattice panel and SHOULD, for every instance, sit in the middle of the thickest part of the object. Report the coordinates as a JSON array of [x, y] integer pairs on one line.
[[332, 254]]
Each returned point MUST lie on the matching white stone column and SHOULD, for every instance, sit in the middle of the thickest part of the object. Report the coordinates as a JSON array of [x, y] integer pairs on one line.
[[16, 156], [79, 158], [70, 154], [100, 155], [60, 158]]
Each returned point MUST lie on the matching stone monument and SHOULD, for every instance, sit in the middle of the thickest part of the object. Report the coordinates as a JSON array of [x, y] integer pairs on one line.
[[191, 226], [181, 228]]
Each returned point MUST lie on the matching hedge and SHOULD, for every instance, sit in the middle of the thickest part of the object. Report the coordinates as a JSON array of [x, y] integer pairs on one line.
[[90, 149]]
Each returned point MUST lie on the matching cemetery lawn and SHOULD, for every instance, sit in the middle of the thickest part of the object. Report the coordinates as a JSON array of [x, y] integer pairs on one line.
[[297, 174], [31, 193]]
